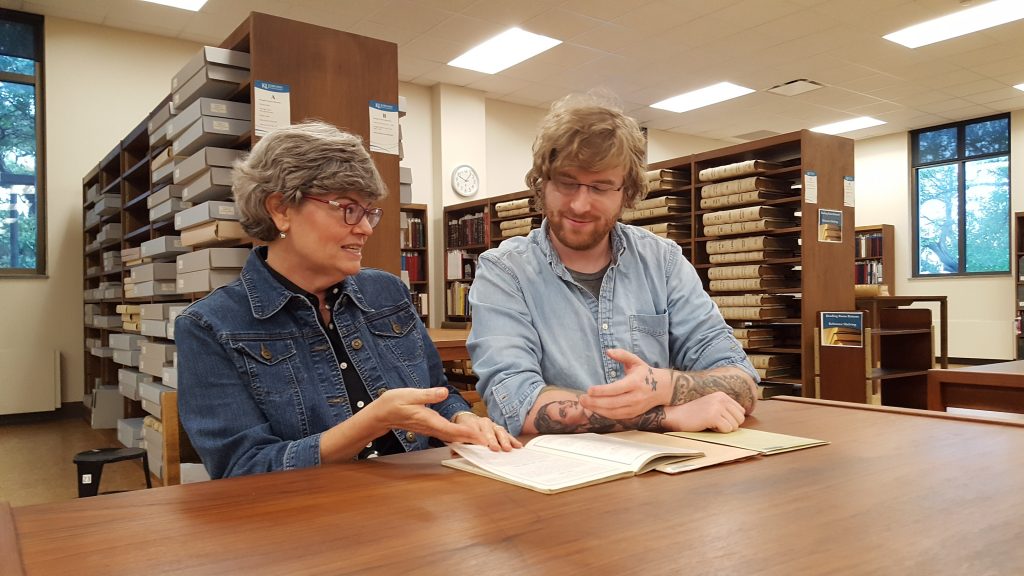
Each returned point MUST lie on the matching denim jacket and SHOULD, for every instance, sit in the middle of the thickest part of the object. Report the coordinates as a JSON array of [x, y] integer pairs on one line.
[[259, 382], [533, 325]]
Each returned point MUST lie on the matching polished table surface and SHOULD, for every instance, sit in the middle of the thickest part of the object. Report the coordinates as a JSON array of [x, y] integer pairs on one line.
[[450, 342], [896, 492]]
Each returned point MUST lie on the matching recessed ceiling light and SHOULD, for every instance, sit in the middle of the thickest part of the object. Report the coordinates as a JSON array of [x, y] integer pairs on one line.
[[794, 87], [504, 50], [1019, 87], [703, 97], [848, 125], [193, 5], [959, 23]]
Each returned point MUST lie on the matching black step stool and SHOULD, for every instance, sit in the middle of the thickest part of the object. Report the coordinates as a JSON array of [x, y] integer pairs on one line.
[[90, 466]]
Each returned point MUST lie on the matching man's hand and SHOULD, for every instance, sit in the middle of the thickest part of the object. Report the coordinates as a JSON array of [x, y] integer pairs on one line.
[[716, 411], [640, 390]]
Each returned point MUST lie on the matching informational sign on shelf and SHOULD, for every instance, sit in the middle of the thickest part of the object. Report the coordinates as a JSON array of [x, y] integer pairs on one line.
[[384, 134], [811, 187], [849, 195], [272, 107], [842, 329], [830, 225]]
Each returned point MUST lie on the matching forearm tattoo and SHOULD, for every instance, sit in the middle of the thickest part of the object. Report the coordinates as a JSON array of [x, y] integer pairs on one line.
[[688, 386], [569, 417]]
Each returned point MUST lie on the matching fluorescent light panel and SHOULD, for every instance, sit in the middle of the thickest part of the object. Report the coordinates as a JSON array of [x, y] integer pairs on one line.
[[848, 125], [193, 5], [1020, 87], [959, 23], [504, 51], [703, 97]]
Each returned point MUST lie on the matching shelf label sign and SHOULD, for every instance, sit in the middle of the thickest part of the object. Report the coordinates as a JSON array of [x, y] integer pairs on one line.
[[811, 187], [848, 192], [384, 135], [272, 107], [842, 329], [830, 225]]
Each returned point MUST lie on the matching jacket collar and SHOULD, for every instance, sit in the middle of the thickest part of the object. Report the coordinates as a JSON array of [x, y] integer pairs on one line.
[[267, 296]]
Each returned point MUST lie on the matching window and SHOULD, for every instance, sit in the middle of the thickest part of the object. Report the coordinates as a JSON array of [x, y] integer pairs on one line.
[[961, 180], [22, 207]]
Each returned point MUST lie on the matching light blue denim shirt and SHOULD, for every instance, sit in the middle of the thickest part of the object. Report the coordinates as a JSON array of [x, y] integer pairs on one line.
[[258, 381], [533, 325]]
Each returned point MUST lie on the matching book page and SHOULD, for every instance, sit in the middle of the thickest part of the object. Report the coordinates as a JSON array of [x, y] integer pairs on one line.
[[539, 469], [628, 453], [714, 454]]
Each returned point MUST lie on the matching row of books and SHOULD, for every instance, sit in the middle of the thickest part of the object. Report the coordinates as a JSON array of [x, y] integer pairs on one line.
[[467, 230], [868, 272], [868, 245], [413, 232], [457, 299], [412, 264]]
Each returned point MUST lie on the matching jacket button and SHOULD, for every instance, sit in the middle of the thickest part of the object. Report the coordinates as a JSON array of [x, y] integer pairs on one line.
[[410, 436], [357, 344], [265, 352], [396, 327]]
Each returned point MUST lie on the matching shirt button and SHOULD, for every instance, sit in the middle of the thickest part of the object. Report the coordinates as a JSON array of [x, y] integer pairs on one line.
[[344, 365], [335, 291], [356, 344], [331, 325], [410, 436], [611, 374], [604, 326], [360, 404], [370, 445]]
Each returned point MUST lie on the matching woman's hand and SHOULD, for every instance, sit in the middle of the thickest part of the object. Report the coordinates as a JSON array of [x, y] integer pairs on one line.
[[406, 409], [493, 436]]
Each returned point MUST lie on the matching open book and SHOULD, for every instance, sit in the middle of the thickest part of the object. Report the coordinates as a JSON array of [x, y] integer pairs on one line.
[[556, 462]]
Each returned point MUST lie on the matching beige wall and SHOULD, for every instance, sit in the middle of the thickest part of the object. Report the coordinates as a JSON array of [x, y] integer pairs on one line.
[[100, 83], [981, 310]]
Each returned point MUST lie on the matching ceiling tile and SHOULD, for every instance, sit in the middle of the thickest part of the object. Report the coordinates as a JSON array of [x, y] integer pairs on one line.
[[607, 10], [508, 14], [561, 24]]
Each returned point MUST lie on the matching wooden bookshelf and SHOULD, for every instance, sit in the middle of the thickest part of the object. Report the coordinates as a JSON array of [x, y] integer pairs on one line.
[[330, 79], [415, 256], [470, 229], [819, 273], [874, 257]]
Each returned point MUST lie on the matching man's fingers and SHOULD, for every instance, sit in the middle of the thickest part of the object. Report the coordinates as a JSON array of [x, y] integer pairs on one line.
[[624, 357]]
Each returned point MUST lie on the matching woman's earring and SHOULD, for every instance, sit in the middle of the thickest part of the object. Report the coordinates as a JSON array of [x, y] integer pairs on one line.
[[283, 235]]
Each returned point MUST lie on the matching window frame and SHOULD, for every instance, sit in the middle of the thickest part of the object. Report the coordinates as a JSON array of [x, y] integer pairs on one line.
[[37, 81], [961, 160]]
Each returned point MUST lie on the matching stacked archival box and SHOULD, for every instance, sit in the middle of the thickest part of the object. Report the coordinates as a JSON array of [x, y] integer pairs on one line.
[[665, 209], [750, 289]]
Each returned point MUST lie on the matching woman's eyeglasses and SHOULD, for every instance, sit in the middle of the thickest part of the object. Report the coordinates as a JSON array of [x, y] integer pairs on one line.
[[353, 211]]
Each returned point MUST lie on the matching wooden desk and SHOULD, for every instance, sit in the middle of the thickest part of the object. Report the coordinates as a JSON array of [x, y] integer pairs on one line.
[[894, 493], [450, 342], [989, 387]]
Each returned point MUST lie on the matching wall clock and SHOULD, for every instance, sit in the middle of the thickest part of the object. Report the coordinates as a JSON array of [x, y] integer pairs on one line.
[[465, 181]]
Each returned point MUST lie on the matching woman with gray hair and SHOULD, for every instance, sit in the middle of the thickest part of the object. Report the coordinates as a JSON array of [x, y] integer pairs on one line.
[[307, 359]]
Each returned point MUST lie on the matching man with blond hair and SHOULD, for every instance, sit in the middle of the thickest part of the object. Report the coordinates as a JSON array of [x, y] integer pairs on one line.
[[591, 325]]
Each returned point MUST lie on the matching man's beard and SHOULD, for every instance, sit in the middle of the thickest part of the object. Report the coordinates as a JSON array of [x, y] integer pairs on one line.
[[599, 228]]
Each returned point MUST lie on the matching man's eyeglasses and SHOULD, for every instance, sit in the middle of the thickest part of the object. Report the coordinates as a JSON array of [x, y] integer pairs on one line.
[[353, 211], [599, 190]]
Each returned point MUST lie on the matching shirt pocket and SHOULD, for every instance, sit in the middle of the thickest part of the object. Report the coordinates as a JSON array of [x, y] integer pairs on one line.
[[271, 365], [648, 335], [398, 336]]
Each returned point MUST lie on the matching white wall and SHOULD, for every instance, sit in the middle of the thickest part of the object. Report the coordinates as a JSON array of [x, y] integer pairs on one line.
[[667, 145], [100, 83], [981, 310], [511, 129]]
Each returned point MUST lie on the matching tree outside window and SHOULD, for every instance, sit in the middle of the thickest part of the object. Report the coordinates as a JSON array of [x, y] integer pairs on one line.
[[22, 228], [961, 178]]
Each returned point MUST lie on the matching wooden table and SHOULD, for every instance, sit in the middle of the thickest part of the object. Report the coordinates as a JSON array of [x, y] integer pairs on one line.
[[896, 492], [997, 386], [450, 342]]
